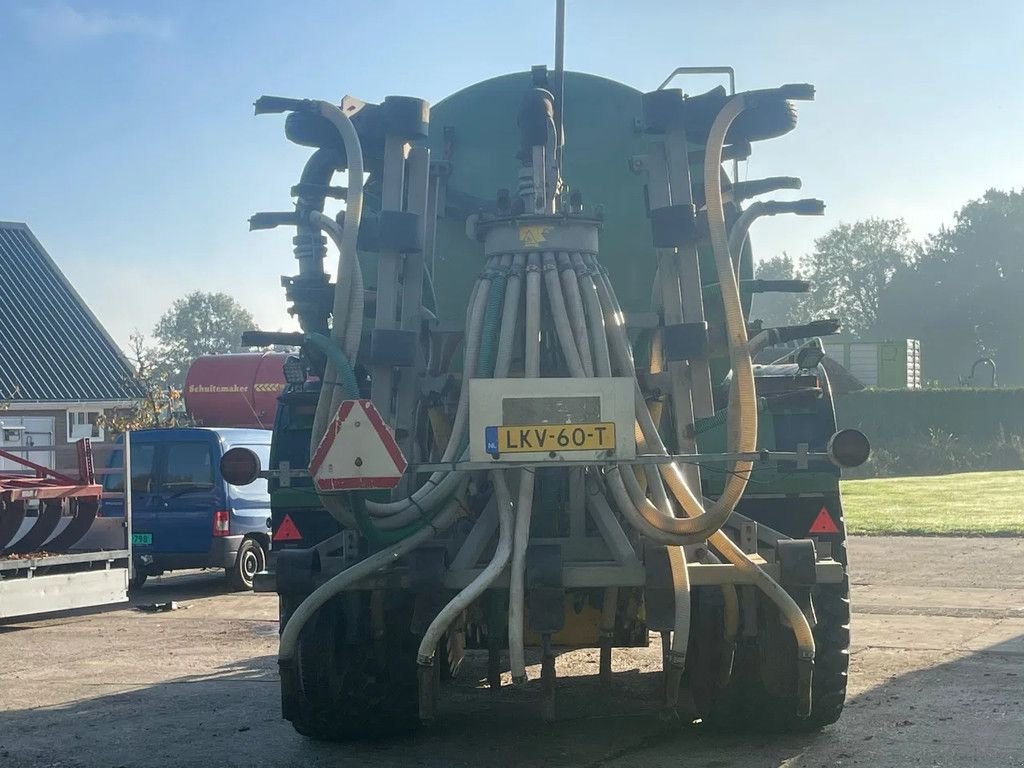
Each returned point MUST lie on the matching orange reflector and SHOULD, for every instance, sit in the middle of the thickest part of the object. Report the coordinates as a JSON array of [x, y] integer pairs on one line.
[[823, 523], [287, 530]]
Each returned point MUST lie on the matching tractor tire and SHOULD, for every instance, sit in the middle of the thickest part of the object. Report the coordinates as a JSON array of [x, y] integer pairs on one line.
[[761, 696], [357, 689], [250, 560]]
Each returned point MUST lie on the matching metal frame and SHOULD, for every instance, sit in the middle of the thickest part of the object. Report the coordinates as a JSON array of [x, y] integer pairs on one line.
[[721, 70]]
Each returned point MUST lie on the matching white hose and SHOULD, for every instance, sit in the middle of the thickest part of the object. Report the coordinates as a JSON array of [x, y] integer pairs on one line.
[[676, 555], [330, 394], [509, 315], [738, 234], [483, 580], [681, 624], [574, 306], [563, 328], [595, 318], [395, 514], [703, 516], [524, 506], [503, 357]]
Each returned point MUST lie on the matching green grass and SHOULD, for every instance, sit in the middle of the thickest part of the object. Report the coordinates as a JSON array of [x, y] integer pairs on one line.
[[968, 504]]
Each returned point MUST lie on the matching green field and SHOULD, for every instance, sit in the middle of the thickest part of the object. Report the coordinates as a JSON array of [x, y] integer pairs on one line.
[[969, 504]]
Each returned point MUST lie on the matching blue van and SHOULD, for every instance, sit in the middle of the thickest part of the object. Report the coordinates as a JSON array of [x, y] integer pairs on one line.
[[184, 514]]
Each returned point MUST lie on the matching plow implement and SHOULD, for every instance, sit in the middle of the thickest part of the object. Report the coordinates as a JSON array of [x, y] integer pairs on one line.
[[56, 550], [46, 510]]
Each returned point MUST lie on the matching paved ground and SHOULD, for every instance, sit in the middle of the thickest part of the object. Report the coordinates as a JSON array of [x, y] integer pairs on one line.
[[938, 670]]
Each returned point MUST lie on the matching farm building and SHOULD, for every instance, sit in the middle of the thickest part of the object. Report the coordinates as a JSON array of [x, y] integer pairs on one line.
[[60, 371]]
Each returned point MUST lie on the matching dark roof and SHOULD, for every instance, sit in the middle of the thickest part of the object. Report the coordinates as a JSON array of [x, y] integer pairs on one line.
[[52, 348]]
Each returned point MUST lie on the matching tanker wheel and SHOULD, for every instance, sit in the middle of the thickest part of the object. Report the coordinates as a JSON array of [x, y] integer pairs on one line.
[[358, 689], [762, 694]]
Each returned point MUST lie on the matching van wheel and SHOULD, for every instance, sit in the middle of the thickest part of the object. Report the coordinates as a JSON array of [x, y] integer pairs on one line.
[[138, 578], [250, 560]]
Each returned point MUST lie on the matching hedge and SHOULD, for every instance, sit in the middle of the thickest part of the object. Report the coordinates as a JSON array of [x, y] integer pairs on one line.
[[972, 415]]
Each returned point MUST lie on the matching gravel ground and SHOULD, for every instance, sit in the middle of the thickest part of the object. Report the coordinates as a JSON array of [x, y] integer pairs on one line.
[[938, 667]]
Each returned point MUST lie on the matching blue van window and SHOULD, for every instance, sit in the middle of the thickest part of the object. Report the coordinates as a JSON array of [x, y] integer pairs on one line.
[[256, 490], [142, 469], [189, 465]]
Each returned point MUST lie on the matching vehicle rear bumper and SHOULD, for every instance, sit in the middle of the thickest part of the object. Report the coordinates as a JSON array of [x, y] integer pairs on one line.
[[222, 553]]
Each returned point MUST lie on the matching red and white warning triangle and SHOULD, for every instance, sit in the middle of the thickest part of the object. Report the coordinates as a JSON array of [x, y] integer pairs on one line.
[[287, 530], [824, 523], [358, 451]]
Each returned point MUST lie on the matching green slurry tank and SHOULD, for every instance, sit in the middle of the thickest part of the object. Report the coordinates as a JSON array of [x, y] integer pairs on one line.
[[526, 414]]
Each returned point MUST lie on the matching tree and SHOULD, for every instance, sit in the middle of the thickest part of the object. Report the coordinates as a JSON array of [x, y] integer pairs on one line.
[[962, 298], [776, 309], [199, 324], [851, 266], [161, 405]]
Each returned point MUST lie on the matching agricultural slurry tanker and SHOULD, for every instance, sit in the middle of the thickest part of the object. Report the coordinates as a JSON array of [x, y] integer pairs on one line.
[[526, 413]]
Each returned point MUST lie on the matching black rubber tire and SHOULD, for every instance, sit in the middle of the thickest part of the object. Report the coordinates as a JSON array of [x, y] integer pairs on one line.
[[250, 560], [138, 578], [358, 691], [748, 704]]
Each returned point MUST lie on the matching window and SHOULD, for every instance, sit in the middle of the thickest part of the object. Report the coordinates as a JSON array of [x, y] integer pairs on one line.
[[84, 424], [142, 469], [189, 465]]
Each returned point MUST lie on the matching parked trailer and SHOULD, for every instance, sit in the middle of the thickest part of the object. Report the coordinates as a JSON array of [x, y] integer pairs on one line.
[[57, 551], [237, 390]]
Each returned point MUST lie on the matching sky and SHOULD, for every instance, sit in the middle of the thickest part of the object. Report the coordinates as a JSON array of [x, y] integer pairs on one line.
[[128, 143]]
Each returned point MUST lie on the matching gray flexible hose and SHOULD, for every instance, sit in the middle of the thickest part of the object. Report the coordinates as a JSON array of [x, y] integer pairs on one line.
[[330, 394], [396, 514], [524, 505], [483, 580], [563, 328], [738, 233], [574, 307], [503, 357]]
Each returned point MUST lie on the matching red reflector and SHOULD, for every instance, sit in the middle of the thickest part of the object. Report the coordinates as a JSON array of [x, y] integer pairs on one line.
[[824, 523], [287, 530], [221, 522]]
